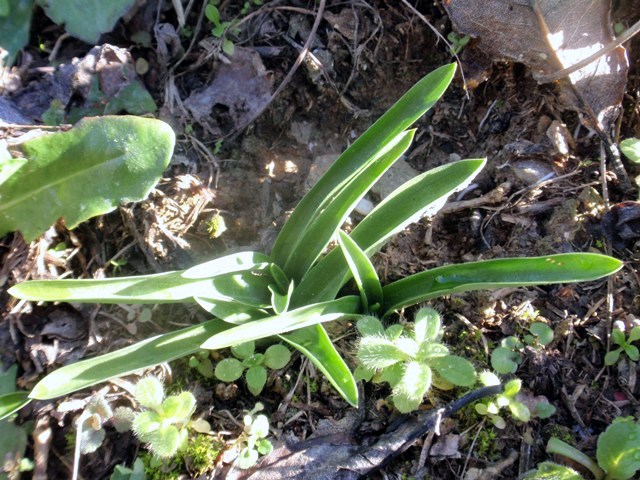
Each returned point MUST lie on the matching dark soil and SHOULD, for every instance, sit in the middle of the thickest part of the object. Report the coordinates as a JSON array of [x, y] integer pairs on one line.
[[371, 52]]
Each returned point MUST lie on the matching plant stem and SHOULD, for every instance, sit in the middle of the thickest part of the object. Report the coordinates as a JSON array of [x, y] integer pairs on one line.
[[556, 445]]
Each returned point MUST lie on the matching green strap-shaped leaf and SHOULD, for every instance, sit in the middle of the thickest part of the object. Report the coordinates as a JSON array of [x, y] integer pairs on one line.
[[314, 343], [397, 119], [147, 353], [489, 274], [12, 402], [84, 172], [343, 308], [213, 280], [416, 198], [334, 211], [363, 273]]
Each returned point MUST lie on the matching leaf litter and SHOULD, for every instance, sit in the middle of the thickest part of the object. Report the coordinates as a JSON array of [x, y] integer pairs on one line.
[[252, 198]]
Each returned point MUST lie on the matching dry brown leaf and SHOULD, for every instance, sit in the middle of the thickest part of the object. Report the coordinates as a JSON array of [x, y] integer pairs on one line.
[[510, 30]]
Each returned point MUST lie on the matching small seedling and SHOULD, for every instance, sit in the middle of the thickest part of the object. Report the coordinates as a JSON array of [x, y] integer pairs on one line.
[[617, 454], [458, 42], [201, 361], [410, 363], [136, 472], [506, 358], [220, 28], [507, 399], [255, 364], [163, 422], [253, 440], [624, 345], [510, 398]]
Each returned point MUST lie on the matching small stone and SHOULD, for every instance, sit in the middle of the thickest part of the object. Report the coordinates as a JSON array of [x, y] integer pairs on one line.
[[364, 207], [531, 172]]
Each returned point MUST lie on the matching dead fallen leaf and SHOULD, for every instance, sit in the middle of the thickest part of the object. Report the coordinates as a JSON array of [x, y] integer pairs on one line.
[[222, 107], [510, 30]]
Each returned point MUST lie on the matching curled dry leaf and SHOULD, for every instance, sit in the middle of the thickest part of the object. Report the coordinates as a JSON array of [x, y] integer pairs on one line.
[[511, 30]]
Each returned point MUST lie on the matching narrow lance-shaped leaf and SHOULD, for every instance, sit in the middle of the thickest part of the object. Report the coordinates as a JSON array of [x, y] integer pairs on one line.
[[398, 118], [343, 308], [314, 343], [12, 402], [84, 172], [222, 284], [423, 195], [490, 274], [363, 273], [146, 353], [335, 210]]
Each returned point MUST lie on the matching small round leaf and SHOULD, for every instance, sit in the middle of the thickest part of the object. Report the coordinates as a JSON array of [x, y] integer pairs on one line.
[[244, 350], [229, 370], [504, 360], [277, 356]]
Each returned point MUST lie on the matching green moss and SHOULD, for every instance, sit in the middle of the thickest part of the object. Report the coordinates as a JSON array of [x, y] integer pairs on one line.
[[201, 453], [162, 469], [486, 444]]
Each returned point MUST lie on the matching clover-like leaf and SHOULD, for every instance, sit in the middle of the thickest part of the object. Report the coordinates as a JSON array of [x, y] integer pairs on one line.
[[632, 352], [244, 350], [512, 388], [634, 335], [259, 427], [520, 411], [277, 356], [542, 331], [264, 446], [631, 149], [247, 458], [256, 379], [229, 370], [504, 360], [618, 449], [617, 337], [455, 369], [612, 356], [369, 325]]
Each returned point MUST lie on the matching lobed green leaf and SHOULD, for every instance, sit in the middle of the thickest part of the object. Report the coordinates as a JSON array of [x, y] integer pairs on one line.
[[84, 172]]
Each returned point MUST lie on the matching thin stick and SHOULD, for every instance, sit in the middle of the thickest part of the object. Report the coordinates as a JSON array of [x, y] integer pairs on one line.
[[292, 71]]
